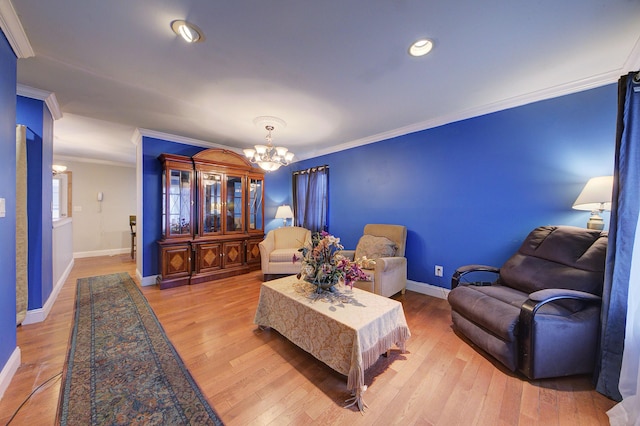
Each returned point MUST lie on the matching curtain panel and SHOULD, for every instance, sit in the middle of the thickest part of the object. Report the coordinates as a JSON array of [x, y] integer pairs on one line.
[[311, 198], [622, 233], [620, 357], [22, 249]]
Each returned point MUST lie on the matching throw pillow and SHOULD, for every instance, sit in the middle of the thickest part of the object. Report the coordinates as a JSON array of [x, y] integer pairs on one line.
[[373, 247], [364, 263]]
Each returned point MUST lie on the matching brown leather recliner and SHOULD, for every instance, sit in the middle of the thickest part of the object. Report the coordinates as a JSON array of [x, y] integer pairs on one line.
[[541, 316]]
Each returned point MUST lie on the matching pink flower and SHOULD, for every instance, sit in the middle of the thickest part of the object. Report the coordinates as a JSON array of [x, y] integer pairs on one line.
[[295, 258]]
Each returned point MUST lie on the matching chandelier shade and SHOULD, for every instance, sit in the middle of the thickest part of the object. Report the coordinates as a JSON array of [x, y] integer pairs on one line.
[[268, 157]]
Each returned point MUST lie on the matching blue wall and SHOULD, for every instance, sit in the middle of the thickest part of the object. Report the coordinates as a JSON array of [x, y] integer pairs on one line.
[[34, 114], [8, 192], [152, 196], [468, 192]]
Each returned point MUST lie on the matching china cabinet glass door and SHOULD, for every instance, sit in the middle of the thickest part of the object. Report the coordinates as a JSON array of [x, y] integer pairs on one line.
[[179, 202], [211, 203], [234, 192], [255, 209]]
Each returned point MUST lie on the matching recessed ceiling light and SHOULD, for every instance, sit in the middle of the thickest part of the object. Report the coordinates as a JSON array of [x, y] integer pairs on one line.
[[421, 47], [188, 31]]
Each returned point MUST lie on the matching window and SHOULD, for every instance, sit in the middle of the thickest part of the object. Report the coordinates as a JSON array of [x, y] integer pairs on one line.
[[61, 195]]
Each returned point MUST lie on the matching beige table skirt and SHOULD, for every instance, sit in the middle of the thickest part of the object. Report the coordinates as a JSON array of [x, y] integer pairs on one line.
[[348, 331]]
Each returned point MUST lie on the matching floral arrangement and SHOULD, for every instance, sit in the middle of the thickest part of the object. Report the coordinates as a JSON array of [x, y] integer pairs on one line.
[[324, 266]]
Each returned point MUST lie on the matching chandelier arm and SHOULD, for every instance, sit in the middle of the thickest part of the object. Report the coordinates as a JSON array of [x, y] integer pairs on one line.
[[268, 157]]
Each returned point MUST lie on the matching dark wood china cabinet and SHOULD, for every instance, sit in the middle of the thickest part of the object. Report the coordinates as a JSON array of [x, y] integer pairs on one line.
[[212, 217]]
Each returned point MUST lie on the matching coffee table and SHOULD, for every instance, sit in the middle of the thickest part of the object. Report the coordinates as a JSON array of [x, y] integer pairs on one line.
[[348, 331]]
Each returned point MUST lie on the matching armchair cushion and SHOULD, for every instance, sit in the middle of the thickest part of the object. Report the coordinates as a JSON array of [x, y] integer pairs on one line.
[[277, 250], [383, 246], [373, 247]]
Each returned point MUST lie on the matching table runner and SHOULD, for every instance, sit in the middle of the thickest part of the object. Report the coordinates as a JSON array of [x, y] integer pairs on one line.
[[347, 331]]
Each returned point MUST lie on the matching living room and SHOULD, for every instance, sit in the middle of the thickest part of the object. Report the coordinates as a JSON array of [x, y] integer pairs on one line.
[[468, 191]]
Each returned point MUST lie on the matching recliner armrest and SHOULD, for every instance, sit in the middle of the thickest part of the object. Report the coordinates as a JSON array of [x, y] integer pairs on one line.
[[388, 263], [463, 270], [550, 294], [528, 311], [539, 298]]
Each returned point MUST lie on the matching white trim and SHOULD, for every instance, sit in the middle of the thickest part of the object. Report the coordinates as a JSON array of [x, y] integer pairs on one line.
[[97, 253], [633, 61], [146, 281], [38, 315], [57, 223], [92, 160], [516, 101], [428, 289], [187, 141], [9, 370], [136, 137], [13, 29], [49, 98], [137, 140]]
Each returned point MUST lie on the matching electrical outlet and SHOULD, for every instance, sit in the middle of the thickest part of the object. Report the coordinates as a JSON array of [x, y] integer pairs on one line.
[[439, 271]]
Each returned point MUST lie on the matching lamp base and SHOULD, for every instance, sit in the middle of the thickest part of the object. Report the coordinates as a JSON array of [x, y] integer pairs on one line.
[[595, 222]]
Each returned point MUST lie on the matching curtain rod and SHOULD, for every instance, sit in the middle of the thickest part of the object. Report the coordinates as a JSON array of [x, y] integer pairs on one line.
[[311, 169]]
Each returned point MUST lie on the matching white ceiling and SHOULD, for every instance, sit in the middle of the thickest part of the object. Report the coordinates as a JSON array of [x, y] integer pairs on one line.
[[336, 71]]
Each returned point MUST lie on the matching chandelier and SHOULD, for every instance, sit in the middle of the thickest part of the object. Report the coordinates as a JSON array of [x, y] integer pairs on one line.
[[268, 157]]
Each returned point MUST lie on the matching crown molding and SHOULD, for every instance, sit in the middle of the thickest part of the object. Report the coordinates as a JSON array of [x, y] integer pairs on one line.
[[184, 140], [633, 61], [49, 98], [540, 95], [13, 30], [69, 158], [136, 137]]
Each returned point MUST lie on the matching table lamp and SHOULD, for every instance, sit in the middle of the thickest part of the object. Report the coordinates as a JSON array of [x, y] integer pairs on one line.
[[596, 198], [284, 212]]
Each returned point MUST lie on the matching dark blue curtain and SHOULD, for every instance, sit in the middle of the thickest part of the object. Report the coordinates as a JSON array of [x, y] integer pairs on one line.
[[311, 198], [624, 218]]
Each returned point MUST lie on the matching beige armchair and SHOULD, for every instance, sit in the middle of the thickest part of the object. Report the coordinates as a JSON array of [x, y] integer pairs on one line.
[[383, 246], [277, 250]]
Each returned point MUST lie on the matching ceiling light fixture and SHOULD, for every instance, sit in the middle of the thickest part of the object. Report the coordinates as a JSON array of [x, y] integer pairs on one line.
[[420, 47], [188, 31], [58, 168], [268, 157]]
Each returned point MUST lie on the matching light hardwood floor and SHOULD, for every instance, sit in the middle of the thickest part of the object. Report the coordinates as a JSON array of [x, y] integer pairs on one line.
[[254, 377]]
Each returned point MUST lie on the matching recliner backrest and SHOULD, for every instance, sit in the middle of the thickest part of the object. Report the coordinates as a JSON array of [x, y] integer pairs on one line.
[[558, 257]]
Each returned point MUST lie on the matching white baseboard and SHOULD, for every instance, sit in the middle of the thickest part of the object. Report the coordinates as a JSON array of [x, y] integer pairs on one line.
[[96, 253], [40, 314], [9, 370], [145, 281], [428, 289]]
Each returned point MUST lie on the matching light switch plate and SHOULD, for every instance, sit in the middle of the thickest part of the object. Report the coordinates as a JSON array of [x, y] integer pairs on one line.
[[3, 210]]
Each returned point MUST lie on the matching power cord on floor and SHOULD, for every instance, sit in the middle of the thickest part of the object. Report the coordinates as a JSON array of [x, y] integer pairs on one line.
[[15, 413]]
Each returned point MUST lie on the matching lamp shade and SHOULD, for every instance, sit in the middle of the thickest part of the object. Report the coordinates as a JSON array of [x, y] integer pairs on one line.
[[284, 212], [596, 195]]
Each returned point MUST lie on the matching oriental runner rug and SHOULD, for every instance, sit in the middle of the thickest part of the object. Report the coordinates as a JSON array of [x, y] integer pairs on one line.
[[121, 368]]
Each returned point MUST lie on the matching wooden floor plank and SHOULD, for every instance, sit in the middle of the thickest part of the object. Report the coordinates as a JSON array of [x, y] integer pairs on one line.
[[258, 377]]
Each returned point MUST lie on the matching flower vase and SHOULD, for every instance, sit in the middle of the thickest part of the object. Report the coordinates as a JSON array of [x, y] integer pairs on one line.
[[320, 287]]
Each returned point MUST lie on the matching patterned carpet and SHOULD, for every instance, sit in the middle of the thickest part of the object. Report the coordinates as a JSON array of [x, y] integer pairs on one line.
[[121, 368]]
